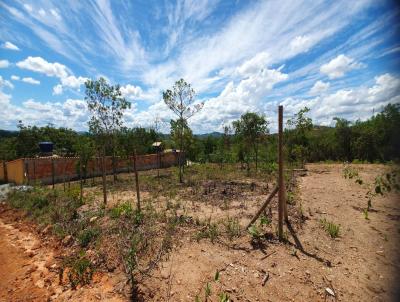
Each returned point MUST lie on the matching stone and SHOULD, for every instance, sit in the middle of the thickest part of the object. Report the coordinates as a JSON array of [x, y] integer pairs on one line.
[[67, 240]]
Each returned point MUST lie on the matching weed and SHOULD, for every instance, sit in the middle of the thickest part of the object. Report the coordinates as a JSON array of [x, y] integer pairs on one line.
[[232, 227], [265, 221], [209, 231], [87, 235], [121, 209], [216, 277], [80, 270], [331, 228], [254, 232], [290, 198], [207, 291], [365, 212], [223, 297]]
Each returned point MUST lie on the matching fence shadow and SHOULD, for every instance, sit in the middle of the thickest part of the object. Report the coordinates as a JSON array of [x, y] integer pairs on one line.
[[300, 247]]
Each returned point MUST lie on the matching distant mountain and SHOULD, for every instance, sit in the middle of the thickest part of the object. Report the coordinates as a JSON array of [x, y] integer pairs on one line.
[[213, 134], [8, 133]]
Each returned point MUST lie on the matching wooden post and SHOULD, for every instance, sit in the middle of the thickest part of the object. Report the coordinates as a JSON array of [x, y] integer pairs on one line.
[[136, 180], [104, 179], [80, 178], [5, 171], [64, 173], [281, 192], [34, 171], [52, 172], [265, 204]]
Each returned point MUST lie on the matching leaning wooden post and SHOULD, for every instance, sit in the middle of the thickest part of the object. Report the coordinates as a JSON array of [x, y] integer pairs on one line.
[[136, 180], [281, 192]]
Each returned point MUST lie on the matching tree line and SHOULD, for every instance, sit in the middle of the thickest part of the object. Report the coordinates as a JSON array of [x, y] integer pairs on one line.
[[246, 141]]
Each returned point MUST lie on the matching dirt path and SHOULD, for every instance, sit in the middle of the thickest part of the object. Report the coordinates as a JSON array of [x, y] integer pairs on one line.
[[30, 267], [365, 256], [361, 265]]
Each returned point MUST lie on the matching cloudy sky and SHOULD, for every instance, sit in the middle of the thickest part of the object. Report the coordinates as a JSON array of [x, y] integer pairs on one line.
[[340, 58]]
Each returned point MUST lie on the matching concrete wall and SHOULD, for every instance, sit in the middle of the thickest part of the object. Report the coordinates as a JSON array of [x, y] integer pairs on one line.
[[15, 171], [58, 169]]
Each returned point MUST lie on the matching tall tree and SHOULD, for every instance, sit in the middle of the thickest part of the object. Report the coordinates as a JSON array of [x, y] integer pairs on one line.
[[343, 137], [181, 100], [251, 128], [107, 106], [297, 135]]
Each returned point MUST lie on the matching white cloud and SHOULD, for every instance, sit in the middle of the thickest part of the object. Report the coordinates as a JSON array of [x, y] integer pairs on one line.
[[73, 82], [10, 46], [131, 92], [30, 81], [58, 89], [354, 103], [40, 65], [255, 64], [5, 83], [15, 78], [338, 66], [235, 100], [300, 44], [4, 63], [319, 87]]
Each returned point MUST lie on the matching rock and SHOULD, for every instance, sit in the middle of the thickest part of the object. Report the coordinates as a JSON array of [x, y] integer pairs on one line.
[[67, 240], [47, 229], [329, 291]]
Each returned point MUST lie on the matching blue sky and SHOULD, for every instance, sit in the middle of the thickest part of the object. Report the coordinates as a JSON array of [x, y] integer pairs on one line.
[[339, 58]]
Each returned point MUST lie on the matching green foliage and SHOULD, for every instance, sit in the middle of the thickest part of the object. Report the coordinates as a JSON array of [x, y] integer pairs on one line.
[[87, 235], [47, 206], [207, 291], [232, 227], [209, 231], [254, 232], [331, 228], [251, 129], [297, 136], [265, 221], [216, 277], [80, 270], [181, 100], [125, 209], [223, 297]]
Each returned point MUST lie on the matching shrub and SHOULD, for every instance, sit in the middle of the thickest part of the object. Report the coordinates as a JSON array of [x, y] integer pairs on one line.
[[87, 235]]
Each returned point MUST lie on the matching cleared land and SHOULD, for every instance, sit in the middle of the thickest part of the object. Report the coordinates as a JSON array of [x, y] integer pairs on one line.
[[179, 259]]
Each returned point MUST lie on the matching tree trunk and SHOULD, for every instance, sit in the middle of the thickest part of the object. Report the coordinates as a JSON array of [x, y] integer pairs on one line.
[[136, 181], [80, 179], [180, 153], [104, 180]]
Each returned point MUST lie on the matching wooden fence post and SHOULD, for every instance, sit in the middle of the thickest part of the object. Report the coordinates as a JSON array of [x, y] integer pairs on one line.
[[136, 180], [281, 192], [52, 172], [80, 178]]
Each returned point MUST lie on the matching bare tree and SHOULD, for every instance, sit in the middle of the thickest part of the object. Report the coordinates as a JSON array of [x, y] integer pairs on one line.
[[181, 100]]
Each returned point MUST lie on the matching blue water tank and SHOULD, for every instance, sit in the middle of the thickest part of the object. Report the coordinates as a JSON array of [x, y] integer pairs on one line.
[[46, 147]]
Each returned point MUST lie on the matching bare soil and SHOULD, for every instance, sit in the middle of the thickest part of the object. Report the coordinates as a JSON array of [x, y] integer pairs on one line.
[[362, 264]]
